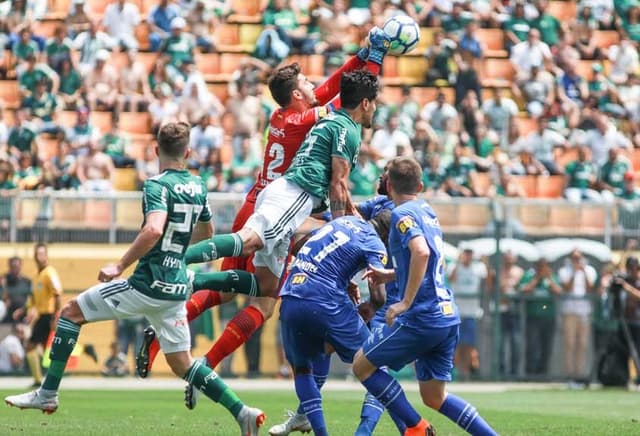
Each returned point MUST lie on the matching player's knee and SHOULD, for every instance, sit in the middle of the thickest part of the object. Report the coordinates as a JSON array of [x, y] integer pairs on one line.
[[362, 368], [433, 395], [266, 306], [71, 311], [251, 242]]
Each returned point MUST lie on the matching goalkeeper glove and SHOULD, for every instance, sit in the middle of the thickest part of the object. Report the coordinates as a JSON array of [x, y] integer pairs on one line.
[[378, 45]]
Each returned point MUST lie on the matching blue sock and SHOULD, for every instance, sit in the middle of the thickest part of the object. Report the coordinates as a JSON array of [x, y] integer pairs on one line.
[[370, 414], [320, 373], [311, 402], [466, 416], [387, 390]]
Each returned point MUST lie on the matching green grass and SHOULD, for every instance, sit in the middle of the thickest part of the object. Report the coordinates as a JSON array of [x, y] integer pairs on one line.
[[138, 413]]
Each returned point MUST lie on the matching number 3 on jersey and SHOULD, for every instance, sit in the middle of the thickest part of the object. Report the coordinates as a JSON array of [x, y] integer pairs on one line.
[[276, 153]]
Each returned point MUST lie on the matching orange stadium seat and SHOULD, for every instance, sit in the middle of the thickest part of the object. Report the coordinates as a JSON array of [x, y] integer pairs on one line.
[[565, 11], [550, 186], [565, 155], [425, 95], [245, 7], [47, 147], [221, 90], [498, 72], [230, 62], [125, 179], [134, 122], [45, 28], [529, 185], [493, 40], [314, 66], [635, 159], [481, 183], [606, 38], [390, 69], [227, 35], [426, 39], [411, 69], [97, 7], [526, 125], [10, 93], [208, 64]]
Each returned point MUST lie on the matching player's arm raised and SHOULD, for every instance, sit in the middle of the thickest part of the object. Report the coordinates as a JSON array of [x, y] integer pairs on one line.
[[417, 269]]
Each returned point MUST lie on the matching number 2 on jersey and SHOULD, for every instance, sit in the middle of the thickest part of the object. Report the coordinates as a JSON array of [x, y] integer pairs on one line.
[[189, 211]]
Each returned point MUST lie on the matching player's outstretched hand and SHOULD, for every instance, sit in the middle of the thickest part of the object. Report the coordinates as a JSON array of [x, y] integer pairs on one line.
[[379, 276], [109, 272], [378, 45], [396, 310]]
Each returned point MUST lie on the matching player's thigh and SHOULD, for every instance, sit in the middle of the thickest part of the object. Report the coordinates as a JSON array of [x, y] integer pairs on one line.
[[280, 209], [105, 301], [436, 362], [347, 332], [393, 346], [169, 319], [302, 340]]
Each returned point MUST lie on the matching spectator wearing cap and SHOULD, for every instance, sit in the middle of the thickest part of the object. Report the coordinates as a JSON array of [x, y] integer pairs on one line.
[[517, 27], [468, 279], [577, 279], [120, 21], [102, 83], [58, 48], [528, 53], [629, 189], [612, 173], [134, 92], [82, 131], [70, 86], [78, 20], [160, 19], [90, 43], [33, 73], [43, 106], [178, 47], [581, 178], [95, 169], [202, 22]]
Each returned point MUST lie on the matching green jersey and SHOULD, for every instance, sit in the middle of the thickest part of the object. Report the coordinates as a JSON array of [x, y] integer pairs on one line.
[[334, 135], [161, 273], [580, 174], [549, 28], [363, 178], [612, 173], [22, 138], [179, 48], [541, 303]]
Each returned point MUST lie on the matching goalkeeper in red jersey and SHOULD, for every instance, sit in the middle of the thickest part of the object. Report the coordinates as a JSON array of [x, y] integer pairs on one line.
[[301, 105]]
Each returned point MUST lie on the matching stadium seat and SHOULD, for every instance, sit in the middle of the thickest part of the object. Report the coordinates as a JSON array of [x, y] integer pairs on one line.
[[228, 36], [314, 66], [45, 28], [125, 179], [635, 159], [221, 90], [208, 64], [226, 153], [97, 7], [529, 185], [411, 69], [230, 62], [58, 9], [245, 7], [134, 122], [606, 38], [248, 35], [9, 93], [426, 39], [565, 155], [481, 183], [98, 214], [564, 219], [592, 219], [47, 147], [565, 11], [425, 95], [390, 70], [526, 125], [498, 72], [493, 39], [550, 186]]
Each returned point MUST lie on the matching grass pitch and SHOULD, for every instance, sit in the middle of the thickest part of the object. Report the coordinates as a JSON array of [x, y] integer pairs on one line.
[[156, 413]]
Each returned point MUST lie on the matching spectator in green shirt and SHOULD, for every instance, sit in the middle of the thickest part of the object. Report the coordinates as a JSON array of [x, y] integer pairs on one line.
[[43, 107], [629, 189], [459, 175], [24, 47], [58, 48], [71, 89], [364, 175], [454, 23], [33, 73], [433, 176], [179, 46], [22, 135], [29, 175], [548, 25], [540, 285], [611, 177], [517, 27], [115, 144], [581, 177]]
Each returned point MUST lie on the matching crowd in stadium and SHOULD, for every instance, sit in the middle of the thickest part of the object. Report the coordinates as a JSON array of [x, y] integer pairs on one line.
[[582, 124]]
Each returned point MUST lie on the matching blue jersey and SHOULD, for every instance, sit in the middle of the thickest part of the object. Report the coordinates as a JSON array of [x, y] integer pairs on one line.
[[369, 209], [330, 258], [433, 304]]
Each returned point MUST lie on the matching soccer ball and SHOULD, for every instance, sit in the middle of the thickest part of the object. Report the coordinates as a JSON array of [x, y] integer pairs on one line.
[[404, 33]]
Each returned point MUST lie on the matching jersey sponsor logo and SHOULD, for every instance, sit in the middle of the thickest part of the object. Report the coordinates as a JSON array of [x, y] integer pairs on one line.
[[278, 133], [342, 139], [191, 188], [405, 224], [298, 279], [305, 266], [384, 259], [446, 308], [171, 262], [322, 112], [169, 288], [180, 322], [431, 222]]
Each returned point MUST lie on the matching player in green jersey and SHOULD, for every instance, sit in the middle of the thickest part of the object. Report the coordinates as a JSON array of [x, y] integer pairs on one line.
[[176, 212]]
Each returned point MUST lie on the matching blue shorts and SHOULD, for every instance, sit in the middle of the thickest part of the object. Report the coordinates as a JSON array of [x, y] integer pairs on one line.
[[306, 327], [398, 345], [468, 331]]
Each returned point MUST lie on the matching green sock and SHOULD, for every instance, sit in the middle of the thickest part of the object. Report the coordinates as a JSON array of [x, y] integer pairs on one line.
[[207, 381], [63, 342], [229, 245], [237, 281]]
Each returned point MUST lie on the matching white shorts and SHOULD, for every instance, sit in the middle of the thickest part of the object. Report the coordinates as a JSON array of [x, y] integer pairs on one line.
[[118, 300], [280, 209]]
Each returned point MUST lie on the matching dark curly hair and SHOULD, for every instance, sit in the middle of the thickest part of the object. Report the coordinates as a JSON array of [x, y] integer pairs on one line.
[[283, 82], [357, 85]]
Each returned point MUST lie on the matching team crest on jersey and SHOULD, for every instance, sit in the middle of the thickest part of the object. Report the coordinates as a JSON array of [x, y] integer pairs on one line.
[[322, 112], [405, 224], [298, 279], [384, 259]]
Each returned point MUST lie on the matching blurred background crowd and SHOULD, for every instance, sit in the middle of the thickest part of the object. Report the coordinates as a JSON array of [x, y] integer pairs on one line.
[[501, 98]]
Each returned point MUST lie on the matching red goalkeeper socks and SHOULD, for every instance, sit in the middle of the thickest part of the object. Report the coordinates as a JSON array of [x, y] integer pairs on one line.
[[201, 301], [236, 333]]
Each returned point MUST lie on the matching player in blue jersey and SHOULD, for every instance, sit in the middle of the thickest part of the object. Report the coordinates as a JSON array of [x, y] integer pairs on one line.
[[423, 325], [316, 290]]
